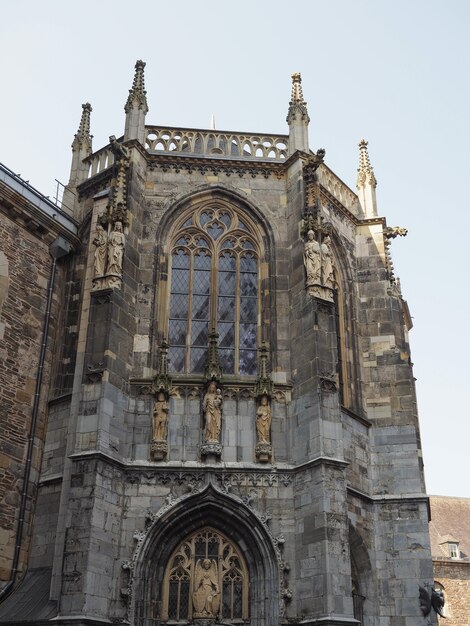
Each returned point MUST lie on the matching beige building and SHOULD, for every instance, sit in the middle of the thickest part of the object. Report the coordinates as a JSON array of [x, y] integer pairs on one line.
[[450, 545]]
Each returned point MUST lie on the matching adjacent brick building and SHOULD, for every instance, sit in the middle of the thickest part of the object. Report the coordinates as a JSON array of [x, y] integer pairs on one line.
[[34, 234], [450, 544], [232, 434]]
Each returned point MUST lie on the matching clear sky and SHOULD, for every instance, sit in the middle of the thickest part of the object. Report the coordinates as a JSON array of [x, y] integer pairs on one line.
[[395, 72]]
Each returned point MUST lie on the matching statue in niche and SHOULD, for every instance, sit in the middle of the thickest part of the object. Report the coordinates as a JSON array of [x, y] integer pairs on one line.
[[327, 263], [312, 259], [263, 420], [116, 244], [212, 407], [206, 594], [101, 243], [160, 418]]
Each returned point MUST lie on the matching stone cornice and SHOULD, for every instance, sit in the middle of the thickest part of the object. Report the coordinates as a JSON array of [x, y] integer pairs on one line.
[[24, 204]]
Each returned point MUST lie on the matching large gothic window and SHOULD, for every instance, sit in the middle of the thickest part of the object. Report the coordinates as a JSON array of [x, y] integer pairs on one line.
[[214, 286], [206, 577]]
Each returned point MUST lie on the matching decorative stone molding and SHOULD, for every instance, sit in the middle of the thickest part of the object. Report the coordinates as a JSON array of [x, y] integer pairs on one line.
[[210, 142], [213, 369], [318, 257], [94, 372], [211, 450], [128, 566], [328, 384], [297, 104]]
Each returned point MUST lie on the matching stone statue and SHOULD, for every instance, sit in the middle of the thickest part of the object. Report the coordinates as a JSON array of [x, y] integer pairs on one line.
[[327, 263], [212, 407], [101, 243], [263, 420], [312, 259], [116, 243], [206, 594], [160, 418]]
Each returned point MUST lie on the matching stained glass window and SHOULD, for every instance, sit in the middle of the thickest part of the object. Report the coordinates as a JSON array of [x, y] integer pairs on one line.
[[214, 285]]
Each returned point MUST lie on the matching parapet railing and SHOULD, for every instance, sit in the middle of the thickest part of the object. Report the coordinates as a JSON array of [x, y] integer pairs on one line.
[[99, 161], [215, 143], [337, 188]]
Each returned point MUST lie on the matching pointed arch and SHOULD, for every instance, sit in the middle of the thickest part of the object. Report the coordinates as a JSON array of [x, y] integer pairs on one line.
[[219, 262], [348, 372], [361, 574], [226, 516]]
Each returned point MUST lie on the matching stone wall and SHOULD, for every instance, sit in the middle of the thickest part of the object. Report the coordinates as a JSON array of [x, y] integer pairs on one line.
[[454, 576], [27, 265]]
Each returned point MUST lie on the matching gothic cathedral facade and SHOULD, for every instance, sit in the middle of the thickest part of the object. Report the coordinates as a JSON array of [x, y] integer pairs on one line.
[[232, 433]]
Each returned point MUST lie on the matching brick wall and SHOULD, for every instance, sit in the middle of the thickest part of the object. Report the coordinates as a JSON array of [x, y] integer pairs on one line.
[[454, 576], [21, 318]]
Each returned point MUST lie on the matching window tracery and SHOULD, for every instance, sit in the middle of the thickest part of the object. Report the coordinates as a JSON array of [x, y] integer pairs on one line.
[[214, 285], [206, 576]]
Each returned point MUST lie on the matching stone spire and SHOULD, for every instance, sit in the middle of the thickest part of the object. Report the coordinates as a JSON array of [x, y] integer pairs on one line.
[[366, 182], [136, 106], [297, 117], [81, 148]]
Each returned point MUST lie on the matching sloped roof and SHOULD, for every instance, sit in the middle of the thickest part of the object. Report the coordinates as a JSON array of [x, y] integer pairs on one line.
[[450, 521], [30, 601]]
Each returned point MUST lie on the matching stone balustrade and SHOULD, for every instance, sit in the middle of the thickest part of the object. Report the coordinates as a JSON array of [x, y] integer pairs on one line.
[[99, 161], [216, 143]]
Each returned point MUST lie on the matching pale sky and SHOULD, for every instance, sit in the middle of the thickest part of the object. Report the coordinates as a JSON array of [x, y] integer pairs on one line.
[[395, 72]]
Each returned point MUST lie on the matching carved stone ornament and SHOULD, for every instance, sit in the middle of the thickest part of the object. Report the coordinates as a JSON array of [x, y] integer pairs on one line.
[[159, 446], [263, 449], [318, 258], [94, 372], [213, 370], [204, 605], [328, 384], [158, 450], [109, 253]]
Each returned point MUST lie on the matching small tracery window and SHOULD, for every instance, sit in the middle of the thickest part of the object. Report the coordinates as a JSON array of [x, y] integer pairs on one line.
[[214, 285], [206, 577]]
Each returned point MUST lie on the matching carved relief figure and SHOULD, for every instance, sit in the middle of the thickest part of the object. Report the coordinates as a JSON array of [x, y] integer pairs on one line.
[[206, 595], [101, 243], [160, 418], [327, 263], [263, 421], [312, 259], [116, 249], [212, 406]]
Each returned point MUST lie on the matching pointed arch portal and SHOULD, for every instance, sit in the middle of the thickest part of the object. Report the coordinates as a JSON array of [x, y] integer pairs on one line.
[[209, 541]]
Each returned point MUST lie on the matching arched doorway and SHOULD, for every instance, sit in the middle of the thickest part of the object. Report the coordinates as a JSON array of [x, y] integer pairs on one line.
[[209, 541]]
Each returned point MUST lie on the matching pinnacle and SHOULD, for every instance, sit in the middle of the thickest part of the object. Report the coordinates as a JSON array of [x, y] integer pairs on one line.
[[137, 95], [365, 171], [297, 104], [84, 126], [297, 96]]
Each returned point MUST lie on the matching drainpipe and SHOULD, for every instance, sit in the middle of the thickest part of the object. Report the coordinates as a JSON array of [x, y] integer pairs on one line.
[[59, 247]]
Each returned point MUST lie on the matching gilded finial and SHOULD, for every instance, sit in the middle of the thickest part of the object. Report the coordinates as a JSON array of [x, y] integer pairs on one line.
[[137, 95], [365, 172]]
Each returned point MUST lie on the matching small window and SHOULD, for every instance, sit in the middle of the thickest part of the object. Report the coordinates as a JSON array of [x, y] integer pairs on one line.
[[454, 552]]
